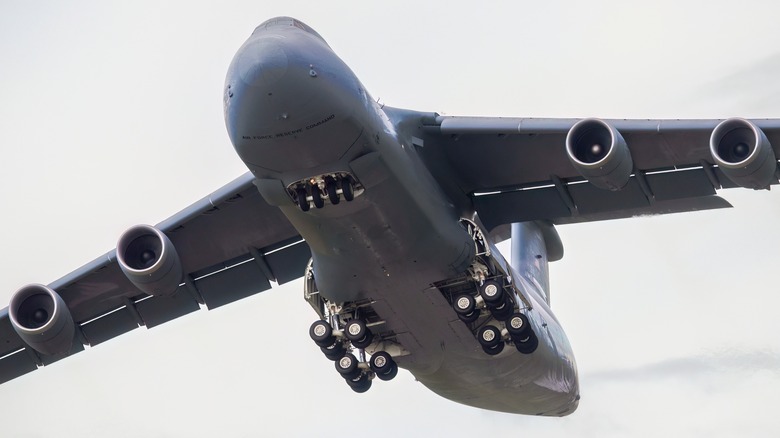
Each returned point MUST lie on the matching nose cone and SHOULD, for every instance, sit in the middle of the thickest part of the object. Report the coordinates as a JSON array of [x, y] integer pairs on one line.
[[262, 63], [289, 100]]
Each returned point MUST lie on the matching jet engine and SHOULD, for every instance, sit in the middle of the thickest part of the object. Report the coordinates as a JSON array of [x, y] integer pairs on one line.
[[599, 153], [40, 317], [743, 153], [149, 260]]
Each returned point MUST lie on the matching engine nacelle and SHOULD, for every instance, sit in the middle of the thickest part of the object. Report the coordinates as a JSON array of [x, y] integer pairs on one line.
[[43, 321], [743, 153], [599, 153], [149, 260]]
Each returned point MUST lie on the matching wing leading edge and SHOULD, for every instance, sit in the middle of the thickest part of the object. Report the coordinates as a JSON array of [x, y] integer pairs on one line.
[[232, 244]]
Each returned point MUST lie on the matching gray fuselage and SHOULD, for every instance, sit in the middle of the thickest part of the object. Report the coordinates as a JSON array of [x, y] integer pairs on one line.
[[293, 111]]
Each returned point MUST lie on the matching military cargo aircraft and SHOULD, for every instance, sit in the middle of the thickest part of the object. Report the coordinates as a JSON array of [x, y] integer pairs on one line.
[[392, 217]]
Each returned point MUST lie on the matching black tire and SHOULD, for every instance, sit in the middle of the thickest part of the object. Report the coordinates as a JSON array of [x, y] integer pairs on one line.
[[330, 187], [334, 352], [363, 343], [492, 292], [503, 311], [347, 190], [390, 375], [360, 384], [300, 192], [381, 362], [321, 333], [464, 305], [357, 332], [518, 326], [528, 345], [347, 366], [468, 319], [494, 350], [489, 336], [316, 196]]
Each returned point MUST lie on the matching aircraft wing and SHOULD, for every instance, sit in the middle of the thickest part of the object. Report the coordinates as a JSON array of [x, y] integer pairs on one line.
[[232, 244], [517, 169]]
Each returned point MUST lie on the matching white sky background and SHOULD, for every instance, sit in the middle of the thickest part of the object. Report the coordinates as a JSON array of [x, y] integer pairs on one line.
[[112, 115]]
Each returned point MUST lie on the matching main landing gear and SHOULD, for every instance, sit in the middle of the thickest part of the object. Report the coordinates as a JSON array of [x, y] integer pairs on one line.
[[487, 302], [315, 190], [347, 349]]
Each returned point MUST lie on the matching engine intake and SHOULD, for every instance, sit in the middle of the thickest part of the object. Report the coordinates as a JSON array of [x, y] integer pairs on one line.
[[743, 153], [43, 321], [599, 153], [149, 260]]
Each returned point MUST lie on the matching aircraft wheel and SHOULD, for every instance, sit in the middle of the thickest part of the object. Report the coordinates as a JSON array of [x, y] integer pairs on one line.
[[492, 292], [489, 337], [316, 196], [390, 375], [494, 350], [528, 344], [503, 311], [302, 202], [334, 352], [347, 190], [518, 326], [464, 305], [360, 384], [381, 363], [321, 333], [347, 366], [330, 187], [357, 332], [468, 319]]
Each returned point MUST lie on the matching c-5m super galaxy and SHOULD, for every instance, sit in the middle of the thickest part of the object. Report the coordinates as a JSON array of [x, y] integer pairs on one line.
[[392, 217]]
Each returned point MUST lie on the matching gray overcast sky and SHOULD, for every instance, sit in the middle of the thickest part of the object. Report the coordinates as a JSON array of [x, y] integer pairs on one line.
[[111, 115]]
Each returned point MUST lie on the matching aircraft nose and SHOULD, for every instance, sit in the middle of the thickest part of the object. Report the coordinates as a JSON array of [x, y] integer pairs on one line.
[[289, 100], [262, 63]]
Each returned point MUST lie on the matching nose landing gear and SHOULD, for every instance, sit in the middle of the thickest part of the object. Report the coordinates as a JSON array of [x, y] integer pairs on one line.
[[333, 186]]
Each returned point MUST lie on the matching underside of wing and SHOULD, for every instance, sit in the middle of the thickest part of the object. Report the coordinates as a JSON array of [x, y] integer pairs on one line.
[[225, 247], [578, 170]]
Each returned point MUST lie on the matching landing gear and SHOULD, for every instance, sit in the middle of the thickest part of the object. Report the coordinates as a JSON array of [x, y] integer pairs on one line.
[[360, 384], [466, 308], [314, 190], [357, 332], [528, 344], [303, 203], [345, 346], [347, 189], [383, 365], [518, 326], [347, 366], [330, 187], [321, 333], [316, 196], [492, 292], [334, 351], [489, 338], [504, 310]]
